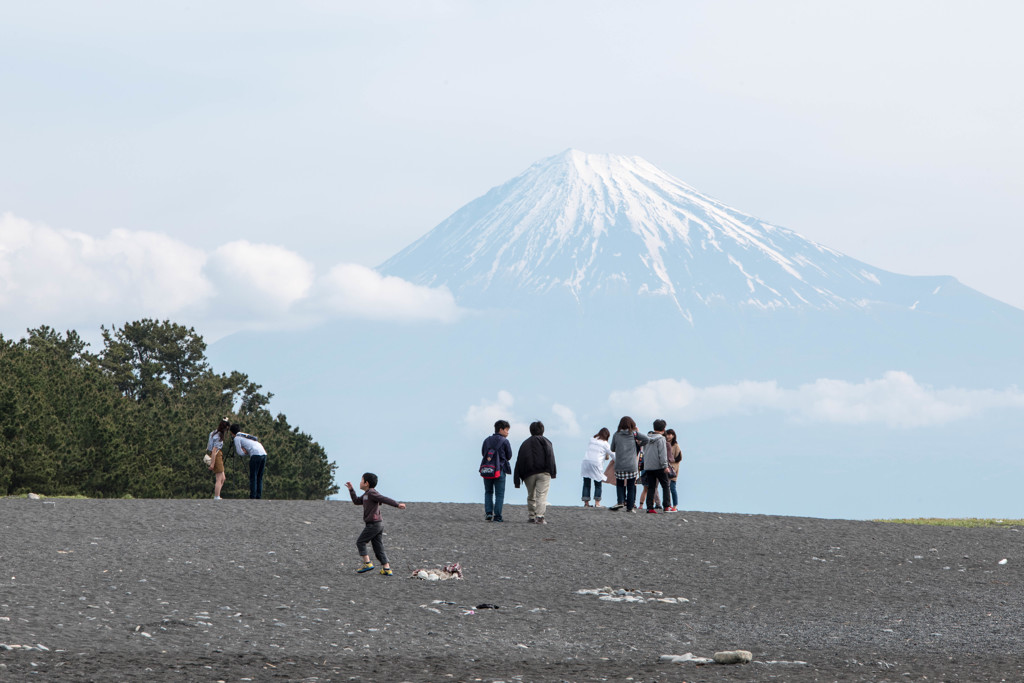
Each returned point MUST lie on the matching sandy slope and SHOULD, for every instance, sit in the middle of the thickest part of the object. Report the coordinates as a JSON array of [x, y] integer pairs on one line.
[[266, 590]]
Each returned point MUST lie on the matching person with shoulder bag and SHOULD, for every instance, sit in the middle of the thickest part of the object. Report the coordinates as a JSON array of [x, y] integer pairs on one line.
[[215, 455], [496, 454], [675, 457]]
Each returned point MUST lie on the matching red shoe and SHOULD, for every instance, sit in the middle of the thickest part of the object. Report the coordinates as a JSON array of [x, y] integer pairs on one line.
[[652, 511]]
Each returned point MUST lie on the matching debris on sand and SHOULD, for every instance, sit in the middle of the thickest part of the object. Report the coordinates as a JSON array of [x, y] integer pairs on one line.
[[609, 594], [724, 657], [688, 657], [448, 571]]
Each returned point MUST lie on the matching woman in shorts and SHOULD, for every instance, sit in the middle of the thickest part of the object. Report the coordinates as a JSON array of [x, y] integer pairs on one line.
[[215, 448]]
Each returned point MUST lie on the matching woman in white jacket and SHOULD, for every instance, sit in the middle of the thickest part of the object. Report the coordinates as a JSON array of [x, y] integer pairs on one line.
[[598, 453]]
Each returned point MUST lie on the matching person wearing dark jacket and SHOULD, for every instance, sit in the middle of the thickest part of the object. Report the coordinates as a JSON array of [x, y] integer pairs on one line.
[[496, 446], [656, 466], [535, 465]]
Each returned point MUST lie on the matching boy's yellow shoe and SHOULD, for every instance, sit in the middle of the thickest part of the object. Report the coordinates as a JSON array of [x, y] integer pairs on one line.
[[365, 568], [386, 572]]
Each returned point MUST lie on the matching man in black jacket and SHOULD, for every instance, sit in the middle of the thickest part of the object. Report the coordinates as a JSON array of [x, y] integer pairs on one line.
[[535, 465]]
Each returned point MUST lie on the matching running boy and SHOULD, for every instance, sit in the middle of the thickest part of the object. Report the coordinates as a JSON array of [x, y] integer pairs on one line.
[[374, 531]]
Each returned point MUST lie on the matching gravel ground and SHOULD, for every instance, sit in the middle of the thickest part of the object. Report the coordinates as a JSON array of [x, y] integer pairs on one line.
[[266, 590]]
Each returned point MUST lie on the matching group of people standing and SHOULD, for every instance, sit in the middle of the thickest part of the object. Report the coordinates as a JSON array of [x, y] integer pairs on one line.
[[245, 444], [652, 458]]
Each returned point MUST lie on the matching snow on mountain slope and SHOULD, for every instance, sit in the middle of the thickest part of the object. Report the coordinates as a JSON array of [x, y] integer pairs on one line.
[[592, 226]]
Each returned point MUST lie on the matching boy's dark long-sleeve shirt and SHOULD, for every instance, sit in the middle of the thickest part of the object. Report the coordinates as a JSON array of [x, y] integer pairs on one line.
[[371, 501], [503, 448]]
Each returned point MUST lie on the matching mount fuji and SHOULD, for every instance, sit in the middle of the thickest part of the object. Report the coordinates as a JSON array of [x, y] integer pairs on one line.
[[594, 229], [592, 281]]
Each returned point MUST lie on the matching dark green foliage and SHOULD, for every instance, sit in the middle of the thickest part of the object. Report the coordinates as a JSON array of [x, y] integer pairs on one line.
[[134, 419]]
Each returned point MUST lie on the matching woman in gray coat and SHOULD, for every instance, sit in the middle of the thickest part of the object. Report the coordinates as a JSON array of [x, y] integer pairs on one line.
[[625, 443]]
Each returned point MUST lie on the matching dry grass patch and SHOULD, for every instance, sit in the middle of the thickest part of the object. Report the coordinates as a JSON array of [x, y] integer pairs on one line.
[[962, 522]]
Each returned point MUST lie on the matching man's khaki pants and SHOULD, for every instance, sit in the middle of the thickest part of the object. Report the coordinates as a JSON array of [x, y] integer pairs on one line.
[[537, 486]]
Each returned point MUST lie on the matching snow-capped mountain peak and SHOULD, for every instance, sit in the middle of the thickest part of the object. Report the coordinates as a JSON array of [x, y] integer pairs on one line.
[[599, 226]]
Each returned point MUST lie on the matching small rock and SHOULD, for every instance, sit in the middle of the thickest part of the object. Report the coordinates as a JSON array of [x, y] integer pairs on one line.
[[734, 657], [1003, 561]]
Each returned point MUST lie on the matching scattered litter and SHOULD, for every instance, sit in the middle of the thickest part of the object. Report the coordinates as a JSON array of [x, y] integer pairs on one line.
[[1003, 561], [449, 571], [688, 657], [609, 594]]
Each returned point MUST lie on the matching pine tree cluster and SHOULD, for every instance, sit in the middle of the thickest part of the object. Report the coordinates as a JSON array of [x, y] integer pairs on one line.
[[133, 420]]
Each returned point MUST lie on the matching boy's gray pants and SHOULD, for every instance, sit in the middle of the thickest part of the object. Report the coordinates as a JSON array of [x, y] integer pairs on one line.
[[374, 535]]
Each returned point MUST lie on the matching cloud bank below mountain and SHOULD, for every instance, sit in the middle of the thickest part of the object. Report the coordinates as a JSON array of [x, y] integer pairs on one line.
[[67, 279], [895, 400]]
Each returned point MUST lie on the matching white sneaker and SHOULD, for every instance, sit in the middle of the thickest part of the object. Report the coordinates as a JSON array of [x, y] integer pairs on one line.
[[217, 498]]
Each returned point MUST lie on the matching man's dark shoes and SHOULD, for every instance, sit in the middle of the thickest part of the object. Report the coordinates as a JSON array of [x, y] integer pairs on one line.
[[488, 518]]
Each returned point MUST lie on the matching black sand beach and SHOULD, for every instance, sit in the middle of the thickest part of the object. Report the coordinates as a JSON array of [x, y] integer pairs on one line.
[[239, 590]]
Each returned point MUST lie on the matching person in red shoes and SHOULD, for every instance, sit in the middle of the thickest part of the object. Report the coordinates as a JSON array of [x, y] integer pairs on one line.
[[656, 468]]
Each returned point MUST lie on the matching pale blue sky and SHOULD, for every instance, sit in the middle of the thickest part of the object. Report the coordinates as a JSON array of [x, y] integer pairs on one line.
[[340, 132]]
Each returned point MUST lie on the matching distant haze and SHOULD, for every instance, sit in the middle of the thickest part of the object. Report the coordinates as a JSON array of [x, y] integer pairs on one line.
[[592, 286]]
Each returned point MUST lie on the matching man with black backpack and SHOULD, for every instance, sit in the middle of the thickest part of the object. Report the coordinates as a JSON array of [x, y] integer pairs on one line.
[[496, 454]]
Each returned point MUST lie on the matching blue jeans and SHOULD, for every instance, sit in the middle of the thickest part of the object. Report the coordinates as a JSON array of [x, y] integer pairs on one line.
[[494, 496], [586, 489], [257, 465], [675, 495], [625, 491]]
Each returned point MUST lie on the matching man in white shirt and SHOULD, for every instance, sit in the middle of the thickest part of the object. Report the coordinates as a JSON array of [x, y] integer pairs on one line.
[[247, 444]]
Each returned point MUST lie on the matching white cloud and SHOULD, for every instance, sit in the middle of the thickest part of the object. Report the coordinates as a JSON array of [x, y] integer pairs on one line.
[[480, 418], [259, 276], [68, 279], [569, 426], [357, 290], [895, 400], [64, 278]]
